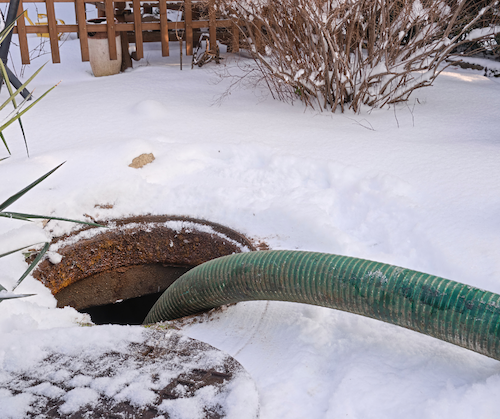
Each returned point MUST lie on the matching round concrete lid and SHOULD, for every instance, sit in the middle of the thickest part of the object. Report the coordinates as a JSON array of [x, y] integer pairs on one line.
[[145, 373]]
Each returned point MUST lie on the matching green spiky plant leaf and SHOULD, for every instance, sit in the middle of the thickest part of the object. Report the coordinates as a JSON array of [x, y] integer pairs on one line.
[[8, 28], [22, 108], [5, 295], [9, 201], [32, 265], [18, 112], [10, 252], [28, 217]]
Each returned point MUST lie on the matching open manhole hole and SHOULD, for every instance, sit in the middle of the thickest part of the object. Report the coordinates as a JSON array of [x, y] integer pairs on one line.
[[117, 273]]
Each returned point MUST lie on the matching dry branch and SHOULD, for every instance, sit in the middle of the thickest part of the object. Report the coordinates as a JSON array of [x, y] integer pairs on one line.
[[348, 53]]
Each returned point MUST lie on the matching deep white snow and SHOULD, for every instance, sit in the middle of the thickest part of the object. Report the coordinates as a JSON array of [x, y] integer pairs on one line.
[[415, 185]]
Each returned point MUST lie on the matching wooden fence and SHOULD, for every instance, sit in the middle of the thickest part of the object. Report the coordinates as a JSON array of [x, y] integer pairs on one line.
[[116, 13]]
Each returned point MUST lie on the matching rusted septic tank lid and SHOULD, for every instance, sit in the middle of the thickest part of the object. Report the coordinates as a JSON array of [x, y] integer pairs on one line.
[[132, 257]]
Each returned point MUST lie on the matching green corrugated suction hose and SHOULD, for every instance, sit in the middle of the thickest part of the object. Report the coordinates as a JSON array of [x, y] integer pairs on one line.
[[447, 310]]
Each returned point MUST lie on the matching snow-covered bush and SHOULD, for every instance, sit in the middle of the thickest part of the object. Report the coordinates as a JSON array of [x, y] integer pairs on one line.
[[348, 53]]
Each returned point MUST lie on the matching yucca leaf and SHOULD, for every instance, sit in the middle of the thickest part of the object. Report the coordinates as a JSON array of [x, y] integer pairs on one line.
[[14, 217], [18, 110], [4, 143], [13, 99], [14, 251], [23, 86], [24, 136], [7, 82], [12, 120], [10, 296], [32, 265], [28, 217], [14, 94], [15, 197], [8, 28]]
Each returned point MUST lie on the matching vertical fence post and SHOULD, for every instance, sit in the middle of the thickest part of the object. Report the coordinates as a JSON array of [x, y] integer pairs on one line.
[[212, 25], [164, 28], [23, 40], [53, 35], [235, 46], [110, 22], [120, 17], [81, 20], [139, 51], [188, 19]]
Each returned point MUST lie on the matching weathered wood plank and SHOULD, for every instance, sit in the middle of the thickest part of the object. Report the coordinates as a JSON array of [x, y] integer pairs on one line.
[[45, 29], [81, 18], [110, 23], [164, 28], [188, 21], [197, 24], [124, 44], [139, 50], [23, 40], [212, 30], [53, 35], [235, 46]]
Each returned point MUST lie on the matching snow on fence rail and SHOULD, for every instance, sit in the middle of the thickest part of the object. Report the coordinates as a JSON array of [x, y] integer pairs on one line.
[[116, 22]]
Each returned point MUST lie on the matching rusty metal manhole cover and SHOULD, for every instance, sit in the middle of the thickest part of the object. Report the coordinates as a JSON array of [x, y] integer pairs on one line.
[[132, 257]]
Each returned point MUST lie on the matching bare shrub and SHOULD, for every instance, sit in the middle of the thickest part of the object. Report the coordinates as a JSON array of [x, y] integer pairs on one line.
[[348, 53]]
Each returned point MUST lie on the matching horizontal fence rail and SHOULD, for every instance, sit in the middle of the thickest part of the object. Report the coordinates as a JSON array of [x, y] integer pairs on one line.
[[196, 15]]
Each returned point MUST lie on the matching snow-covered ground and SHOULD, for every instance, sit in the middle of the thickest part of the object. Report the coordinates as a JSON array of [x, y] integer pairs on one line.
[[415, 185]]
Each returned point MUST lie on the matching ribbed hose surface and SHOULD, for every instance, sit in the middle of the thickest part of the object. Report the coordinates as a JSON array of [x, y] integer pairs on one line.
[[447, 310]]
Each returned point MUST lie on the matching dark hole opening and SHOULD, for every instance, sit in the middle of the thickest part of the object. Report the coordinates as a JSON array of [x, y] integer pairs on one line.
[[117, 275], [131, 311], [122, 296]]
